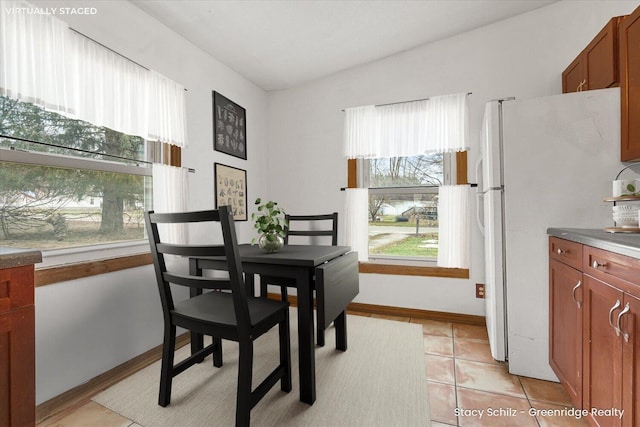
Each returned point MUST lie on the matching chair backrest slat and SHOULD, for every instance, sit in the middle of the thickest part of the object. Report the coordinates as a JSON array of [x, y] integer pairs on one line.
[[197, 281], [190, 251], [184, 217], [328, 230]]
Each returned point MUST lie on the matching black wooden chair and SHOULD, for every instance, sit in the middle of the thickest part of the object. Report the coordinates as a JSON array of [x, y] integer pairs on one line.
[[323, 226], [224, 313]]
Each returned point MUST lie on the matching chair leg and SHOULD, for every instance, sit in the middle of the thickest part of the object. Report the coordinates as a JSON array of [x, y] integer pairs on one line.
[[283, 292], [166, 371], [245, 371], [285, 353], [263, 288], [217, 352]]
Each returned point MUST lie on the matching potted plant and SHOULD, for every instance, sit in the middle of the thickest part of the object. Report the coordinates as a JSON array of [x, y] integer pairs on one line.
[[270, 223]]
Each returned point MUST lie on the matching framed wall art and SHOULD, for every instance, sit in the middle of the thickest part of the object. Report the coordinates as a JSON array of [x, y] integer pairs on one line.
[[231, 189], [229, 127]]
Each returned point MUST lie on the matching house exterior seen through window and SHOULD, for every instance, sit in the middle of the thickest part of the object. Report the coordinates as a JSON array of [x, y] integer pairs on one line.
[[66, 183], [403, 206]]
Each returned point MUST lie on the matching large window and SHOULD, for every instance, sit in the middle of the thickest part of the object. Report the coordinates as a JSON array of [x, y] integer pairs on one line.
[[403, 205], [66, 183]]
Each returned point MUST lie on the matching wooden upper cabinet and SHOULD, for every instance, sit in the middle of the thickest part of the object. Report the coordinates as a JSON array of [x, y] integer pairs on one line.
[[601, 58], [597, 65], [629, 41], [573, 78]]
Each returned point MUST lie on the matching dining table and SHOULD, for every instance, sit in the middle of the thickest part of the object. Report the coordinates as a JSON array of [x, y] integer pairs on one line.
[[330, 271]]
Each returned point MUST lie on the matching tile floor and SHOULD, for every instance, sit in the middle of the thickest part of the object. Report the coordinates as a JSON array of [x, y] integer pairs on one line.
[[461, 374]]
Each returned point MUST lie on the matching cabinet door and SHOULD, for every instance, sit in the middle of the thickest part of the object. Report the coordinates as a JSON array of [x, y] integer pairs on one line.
[[17, 359], [630, 325], [601, 58], [565, 327], [573, 78], [629, 36], [602, 350]]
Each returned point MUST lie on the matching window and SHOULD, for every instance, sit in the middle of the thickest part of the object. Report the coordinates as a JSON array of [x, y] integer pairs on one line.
[[404, 152], [403, 205], [66, 183]]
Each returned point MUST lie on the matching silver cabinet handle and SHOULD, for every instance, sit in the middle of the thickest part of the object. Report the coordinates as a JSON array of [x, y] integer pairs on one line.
[[596, 264], [622, 313], [615, 328], [573, 293], [561, 251]]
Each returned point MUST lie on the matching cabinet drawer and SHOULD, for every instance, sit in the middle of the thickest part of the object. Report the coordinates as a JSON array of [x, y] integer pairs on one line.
[[16, 288], [566, 252], [611, 267]]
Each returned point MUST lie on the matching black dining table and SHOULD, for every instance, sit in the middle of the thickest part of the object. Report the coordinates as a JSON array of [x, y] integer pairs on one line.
[[298, 262]]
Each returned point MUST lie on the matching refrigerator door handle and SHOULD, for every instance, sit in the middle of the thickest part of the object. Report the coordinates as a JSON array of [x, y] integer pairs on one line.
[[479, 175], [479, 199], [479, 208]]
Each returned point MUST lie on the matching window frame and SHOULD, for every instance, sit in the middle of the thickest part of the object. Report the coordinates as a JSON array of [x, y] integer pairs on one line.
[[457, 174]]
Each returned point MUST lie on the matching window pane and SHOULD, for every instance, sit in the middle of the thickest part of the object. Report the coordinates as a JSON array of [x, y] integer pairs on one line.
[[50, 208], [406, 171], [28, 121], [404, 225]]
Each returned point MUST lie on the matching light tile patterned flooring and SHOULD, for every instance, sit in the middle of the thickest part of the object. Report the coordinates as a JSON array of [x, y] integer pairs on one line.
[[461, 375]]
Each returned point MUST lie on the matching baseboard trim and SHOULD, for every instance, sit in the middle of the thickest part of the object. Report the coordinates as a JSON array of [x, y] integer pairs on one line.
[[82, 393], [387, 310]]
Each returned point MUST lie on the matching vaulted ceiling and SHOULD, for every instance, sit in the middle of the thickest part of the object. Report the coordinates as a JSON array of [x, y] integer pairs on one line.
[[280, 44]]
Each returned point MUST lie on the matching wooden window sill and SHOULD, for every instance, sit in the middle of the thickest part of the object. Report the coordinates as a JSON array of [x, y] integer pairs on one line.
[[407, 270], [63, 273]]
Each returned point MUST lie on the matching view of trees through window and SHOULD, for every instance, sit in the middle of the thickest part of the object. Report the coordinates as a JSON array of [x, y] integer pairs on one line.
[[403, 206], [49, 202]]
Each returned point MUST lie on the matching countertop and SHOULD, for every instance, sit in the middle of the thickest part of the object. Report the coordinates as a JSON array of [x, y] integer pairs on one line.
[[621, 243], [14, 257]]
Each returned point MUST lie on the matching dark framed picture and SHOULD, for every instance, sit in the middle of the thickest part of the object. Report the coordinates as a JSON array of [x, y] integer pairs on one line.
[[229, 127], [231, 189]]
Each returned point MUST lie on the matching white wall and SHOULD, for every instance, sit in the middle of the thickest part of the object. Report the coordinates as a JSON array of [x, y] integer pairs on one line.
[[522, 57], [86, 327]]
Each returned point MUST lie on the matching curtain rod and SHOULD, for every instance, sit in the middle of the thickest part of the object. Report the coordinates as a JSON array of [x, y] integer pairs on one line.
[[405, 102], [400, 188], [191, 170], [111, 50]]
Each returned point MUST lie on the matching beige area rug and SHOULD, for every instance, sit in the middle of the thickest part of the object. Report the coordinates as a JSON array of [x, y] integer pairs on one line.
[[379, 381]]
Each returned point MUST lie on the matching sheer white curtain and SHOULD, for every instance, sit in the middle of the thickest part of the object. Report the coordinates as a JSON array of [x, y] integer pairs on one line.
[[33, 51], [170, 189], [454, 226], [167, 110], [356, 225], [435, 125], [109, 90], [44, 62]]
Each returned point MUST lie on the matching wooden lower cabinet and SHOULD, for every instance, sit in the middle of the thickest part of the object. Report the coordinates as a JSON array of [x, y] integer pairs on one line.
[[630, 325], [594, 346], [17, 347], [602, 361], [565, 323]]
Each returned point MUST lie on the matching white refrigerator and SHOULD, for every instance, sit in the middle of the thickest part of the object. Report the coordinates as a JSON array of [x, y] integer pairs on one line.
[[545, 162]]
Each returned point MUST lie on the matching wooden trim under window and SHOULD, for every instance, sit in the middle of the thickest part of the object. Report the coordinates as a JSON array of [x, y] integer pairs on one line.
[[409, 270], [63, 273]]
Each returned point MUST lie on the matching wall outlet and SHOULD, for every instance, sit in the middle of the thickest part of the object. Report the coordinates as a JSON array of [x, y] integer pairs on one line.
[[479, 290]]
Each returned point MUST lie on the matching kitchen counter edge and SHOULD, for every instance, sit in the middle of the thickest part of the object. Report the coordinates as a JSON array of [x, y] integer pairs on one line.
[[13, 257], [620, 243]]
